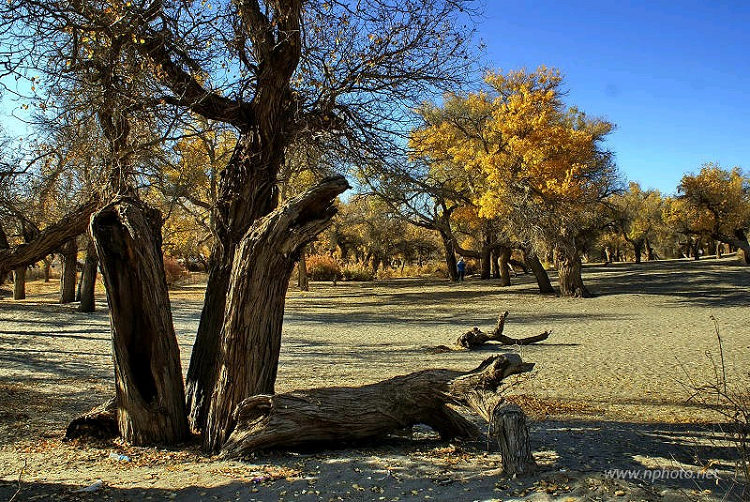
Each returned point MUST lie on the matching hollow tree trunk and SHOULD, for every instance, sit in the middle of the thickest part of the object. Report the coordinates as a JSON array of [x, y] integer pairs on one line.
[[88, 279], [69, 258], [450, 256], [251, 335], [339, 415], [148, 378], [542, 278], [503, 255], [568, 263], [303, 283], [19, 283]]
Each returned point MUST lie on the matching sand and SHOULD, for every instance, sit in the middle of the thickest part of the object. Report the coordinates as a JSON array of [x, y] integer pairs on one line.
[[608, 390]]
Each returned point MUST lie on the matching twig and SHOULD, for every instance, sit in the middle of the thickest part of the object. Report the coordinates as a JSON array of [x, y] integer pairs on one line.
[[20, 475], [721, 353]]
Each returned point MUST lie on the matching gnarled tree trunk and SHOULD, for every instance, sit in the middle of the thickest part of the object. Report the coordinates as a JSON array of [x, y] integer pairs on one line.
[[69, 259], [48, 240], [340, 415], [251, 335], [88, 279], [568, 263], [148, 378], [450, 255]]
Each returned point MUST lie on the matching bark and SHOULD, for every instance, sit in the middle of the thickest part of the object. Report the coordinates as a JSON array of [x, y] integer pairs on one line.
[[739, 241], [450, 255], [486, 258], [508, 428], [339, 415], [69, 258], [476, 337], [47, 268], [495, 265], [542, 278], [568, 263], [503, 254], [88, 279], [650, 255], [19, 283], [251, 335], [303, 283], [48, 240], [148, 377]]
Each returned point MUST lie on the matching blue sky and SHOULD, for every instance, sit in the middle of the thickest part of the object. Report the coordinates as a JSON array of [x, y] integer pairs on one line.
[[674, 76]]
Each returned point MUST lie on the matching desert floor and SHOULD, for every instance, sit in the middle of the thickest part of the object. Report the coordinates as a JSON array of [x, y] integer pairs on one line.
[[610, 390]]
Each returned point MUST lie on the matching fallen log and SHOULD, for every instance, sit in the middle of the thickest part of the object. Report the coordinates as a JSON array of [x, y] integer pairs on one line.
[[476, 337], [336, 416]]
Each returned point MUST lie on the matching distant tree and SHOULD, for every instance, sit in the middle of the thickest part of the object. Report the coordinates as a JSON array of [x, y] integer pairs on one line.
[[716, 202], [541, 169], [637, 215]]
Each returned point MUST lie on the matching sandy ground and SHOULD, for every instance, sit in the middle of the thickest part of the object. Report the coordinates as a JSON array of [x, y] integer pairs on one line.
[[607, 392]]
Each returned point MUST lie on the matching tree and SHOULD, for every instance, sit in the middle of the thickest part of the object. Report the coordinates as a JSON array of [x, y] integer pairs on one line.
[[638, 216], [541, 169], [350, 81], [716, 202]]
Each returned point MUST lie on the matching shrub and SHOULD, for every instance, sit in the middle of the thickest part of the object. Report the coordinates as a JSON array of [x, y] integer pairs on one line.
[[358, 272], [173, 270], [323, 268]]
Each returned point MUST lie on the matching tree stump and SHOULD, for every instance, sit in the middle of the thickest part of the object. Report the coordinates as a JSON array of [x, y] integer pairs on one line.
[[476, 337], [508, 429], [99, 422]]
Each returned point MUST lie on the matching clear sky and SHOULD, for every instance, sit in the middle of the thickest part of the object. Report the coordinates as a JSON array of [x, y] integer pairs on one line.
[[674, 76]]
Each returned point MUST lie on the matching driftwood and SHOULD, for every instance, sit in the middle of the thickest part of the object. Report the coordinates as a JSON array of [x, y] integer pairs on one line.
[[476, 337], [340, 415]]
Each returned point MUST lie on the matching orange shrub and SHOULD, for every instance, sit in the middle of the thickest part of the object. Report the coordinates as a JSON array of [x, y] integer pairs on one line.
[[323, 268]]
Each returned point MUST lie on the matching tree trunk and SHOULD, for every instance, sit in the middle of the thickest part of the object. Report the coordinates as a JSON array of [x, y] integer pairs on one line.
[[148, 377], [88, 279], [503, 254], [649, 251], [486, 259], [48, 240], [247, 192], [251, 335], [542, 278], [303, 282], [696, 246], [47, 268], [19, 283], [339, 415], [69, 259], [568, 263], [637, 250], [450, 256], [495, 264]]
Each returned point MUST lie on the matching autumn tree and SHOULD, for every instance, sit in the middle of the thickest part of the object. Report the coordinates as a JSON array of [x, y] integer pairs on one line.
[[542, 168], [716, 202], [637, 216]]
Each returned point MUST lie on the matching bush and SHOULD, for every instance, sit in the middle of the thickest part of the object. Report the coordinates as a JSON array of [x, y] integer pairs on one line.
[[323, 268], [173, 271], [358, 273]]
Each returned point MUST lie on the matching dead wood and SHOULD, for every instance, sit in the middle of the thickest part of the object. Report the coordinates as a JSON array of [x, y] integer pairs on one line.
[[476, 337], [336, 416]]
